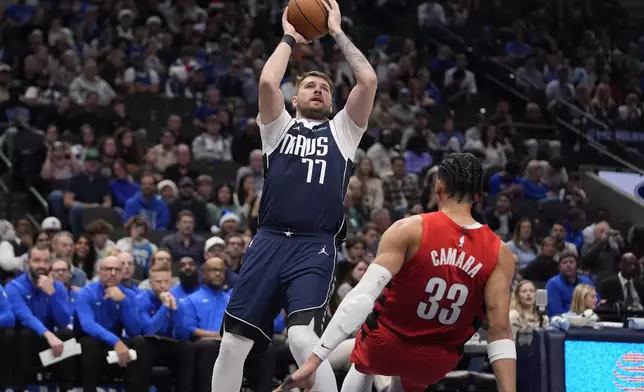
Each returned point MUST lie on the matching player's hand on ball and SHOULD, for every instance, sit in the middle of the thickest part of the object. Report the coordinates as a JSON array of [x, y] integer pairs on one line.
[[290, 30], [304, 377], [334, 20]]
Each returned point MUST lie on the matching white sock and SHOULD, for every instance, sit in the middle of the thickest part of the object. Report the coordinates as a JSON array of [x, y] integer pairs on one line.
[[357, 382], [396, 385], [228, 372], [301, 340]]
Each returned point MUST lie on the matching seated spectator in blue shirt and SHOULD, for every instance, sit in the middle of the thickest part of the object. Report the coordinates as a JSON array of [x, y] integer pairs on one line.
[[533, 181], [416, 156], [122, 187], [575, 227], [106, 312], [161, 319], [561, 286], [517, 49], [41, 306], [146, 204], [210, 107], [203, 313], [450, 139], [89, 189], [188, 277], [7, 341], [507, 180]]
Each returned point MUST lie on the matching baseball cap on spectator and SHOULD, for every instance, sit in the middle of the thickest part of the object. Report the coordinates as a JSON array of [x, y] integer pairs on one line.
[[92, 154], [124, 13], [212, 242], [5, 67], [404, 91], [186, 181], [51, 224], [153, 19], [229, 216]]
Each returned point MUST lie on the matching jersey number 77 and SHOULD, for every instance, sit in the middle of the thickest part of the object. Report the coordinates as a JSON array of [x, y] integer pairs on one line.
[[437, 290]]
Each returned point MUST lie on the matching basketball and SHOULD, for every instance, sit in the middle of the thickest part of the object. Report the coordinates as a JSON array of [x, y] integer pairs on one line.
[[308, 17]]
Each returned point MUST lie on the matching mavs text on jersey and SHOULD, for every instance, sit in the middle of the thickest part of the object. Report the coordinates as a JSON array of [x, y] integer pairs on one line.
[[290, 262]]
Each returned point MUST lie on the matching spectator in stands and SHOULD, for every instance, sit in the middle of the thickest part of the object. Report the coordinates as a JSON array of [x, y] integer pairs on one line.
[[11, 262], [184, 243], [416, 157], [351, 279], [216, 247], [603, 105], [188, 276], [222, 203], [7, 341], [584, 297], [560, 88], [208, 108], [160, 317], [517, 50], [129, 268], [234, 251], [624, 288], [63, 249], [61, 272], [140, 78], [400, 190], [601, 215], [99, 231], [373, 196], [88, 189], [529, 76], [245, 195], [211, 145], [492, 148], [106, 311], [600, 257], [204, 188], [84, 257], [182, 168], [51, 225], [137, 245], [188, 200], [381, 153], [60, 166], [254, 168], [507, 180], [165, 152], [544, 266], [403, 110], [42, 308], [523, 310], [574, 226], [560, 287], [147, 204], [524, 242], [122, 186], [500, 218], [467, 82], [558, 232], [449, 139], [533, 183], [89, 82]]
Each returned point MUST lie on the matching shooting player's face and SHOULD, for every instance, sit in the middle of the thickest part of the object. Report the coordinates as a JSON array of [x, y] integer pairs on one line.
[[314, 100]]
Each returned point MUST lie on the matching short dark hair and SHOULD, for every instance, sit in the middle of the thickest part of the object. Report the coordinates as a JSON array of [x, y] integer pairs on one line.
[[39, 247], [462, 174], [99, 226], [566, 254], [185, 213], [396, 158], [355, 240]]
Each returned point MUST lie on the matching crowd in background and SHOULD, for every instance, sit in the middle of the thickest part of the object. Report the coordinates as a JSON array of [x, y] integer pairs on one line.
[[162, 203]]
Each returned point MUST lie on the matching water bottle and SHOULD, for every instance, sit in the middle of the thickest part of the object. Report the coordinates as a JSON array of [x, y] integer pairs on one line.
[[560, 322]]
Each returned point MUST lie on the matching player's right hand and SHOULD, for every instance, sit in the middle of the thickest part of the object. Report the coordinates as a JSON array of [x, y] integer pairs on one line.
[[304, 377], [290, 30]]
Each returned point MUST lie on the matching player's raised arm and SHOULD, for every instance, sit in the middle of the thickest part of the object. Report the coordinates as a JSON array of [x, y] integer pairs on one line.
[[501, 348], [360, 101], [271, 100]]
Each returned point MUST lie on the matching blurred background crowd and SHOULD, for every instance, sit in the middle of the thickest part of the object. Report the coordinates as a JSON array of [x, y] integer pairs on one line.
[[130, 148]]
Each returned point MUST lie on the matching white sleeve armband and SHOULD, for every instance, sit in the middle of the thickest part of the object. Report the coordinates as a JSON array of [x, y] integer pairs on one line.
[[501, 349], [353, 310]]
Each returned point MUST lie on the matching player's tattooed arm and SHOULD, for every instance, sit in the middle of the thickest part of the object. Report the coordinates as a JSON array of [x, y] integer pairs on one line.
[[359, 64]]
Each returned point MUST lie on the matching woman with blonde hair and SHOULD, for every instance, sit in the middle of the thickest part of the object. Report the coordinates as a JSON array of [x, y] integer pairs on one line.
[[583, 298], [523, 310], [534, 184]]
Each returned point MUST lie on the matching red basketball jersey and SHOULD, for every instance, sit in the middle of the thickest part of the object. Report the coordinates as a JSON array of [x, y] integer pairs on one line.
[[437, 298]]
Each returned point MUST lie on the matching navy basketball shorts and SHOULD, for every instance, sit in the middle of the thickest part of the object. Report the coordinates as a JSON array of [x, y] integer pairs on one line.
[[282, 270]]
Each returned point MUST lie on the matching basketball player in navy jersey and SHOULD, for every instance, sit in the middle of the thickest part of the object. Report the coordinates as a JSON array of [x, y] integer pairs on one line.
[[290, 263]]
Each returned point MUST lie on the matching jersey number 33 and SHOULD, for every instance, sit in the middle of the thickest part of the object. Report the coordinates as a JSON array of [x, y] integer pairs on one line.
[[438, 290]]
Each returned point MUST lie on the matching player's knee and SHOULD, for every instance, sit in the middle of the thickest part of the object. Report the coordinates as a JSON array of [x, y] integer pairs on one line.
[[234, 346], [301, 337]]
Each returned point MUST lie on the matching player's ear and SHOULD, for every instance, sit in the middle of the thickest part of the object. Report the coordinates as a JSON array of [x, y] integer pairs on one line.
[[294, 101]]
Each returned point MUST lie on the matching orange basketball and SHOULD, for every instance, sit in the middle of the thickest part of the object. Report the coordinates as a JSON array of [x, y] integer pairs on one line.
[[308, 17]]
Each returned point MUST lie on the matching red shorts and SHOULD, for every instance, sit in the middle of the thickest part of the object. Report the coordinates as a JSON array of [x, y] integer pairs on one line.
[[380, 352]]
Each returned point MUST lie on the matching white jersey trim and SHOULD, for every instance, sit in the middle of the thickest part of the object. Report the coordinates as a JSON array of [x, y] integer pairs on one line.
[[347, 134], [273, 132]]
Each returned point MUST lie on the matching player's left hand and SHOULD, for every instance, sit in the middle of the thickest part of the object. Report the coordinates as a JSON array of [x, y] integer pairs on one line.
[[304, 377], [334, 20]]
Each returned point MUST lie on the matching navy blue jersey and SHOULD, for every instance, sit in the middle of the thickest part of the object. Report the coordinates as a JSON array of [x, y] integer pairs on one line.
[[308, 165]]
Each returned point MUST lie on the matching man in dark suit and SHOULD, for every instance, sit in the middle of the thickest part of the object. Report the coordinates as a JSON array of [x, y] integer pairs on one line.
[[624, 287]]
